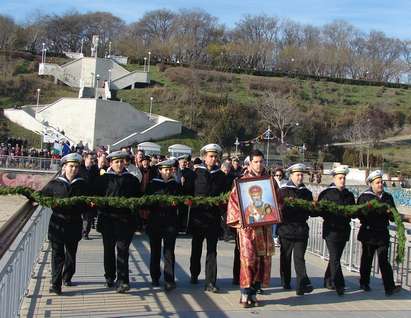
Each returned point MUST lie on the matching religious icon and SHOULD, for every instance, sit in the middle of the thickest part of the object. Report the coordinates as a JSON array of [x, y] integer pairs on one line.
[[258, 201]]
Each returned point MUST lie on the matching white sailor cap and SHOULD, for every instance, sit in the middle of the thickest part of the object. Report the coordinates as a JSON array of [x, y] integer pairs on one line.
[[166, 163], [71, 157], [374, 175], [211, 148], [118, 155], [298, 167], [340, 170], [184, 157]]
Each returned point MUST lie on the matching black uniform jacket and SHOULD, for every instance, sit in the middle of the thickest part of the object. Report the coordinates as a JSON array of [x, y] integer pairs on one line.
[[111, 184], [163, 216], [189, 178], [294, 223], [336, 227], [65, 223], [374, 225], [207, 183]]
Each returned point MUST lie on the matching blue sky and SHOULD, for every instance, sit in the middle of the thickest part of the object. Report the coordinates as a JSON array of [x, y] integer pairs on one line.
[[393, 17]]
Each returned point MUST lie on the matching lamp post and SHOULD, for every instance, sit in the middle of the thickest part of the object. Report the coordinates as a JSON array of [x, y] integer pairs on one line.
[[268, 136], [303, 149], [81, 47], [151, 105], [43, 53], [109, 77], [97, 86], [38, 100], [148, 66], [237, 143], [145, 64]]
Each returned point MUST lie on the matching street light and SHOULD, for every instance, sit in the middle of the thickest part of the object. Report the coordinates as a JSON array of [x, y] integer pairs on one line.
[[145, 64], [97, 86], [38, 97], [81, 47], [149, 55], [268, 136], [43, 53], [151, 105], [237, 143]]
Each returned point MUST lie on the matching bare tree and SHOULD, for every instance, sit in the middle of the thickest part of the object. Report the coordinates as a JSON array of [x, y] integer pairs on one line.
[[279, 113]]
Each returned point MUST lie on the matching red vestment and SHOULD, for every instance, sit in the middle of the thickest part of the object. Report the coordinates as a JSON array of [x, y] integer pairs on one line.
[[255, 243]]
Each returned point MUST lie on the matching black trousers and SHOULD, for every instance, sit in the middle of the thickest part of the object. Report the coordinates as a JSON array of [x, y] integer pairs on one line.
[[236, 261], [296, 248], [211, 236], [368, 251], [119, 264], [333, 275], [63, 261], [167, 235], [88, 220]]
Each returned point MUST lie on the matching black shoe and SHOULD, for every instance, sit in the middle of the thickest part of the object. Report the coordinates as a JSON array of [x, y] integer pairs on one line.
[[55, 290], [168, 286], [340, 291], [109, 282], [393, 291], [122, 288], [68, 283], [365, 287], [287, 286], [260, 291], [194, 280], [308, 289], [305, 290], [155, 283], [329, 285], [211, 288]]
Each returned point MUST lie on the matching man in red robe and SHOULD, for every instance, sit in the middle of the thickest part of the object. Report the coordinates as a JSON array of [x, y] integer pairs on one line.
[[255, 243]]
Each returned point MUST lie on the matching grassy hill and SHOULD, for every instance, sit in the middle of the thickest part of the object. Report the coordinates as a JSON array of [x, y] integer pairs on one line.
[[212, 104]]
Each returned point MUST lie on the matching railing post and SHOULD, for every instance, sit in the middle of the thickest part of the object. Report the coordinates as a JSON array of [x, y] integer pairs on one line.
[[351, 246]]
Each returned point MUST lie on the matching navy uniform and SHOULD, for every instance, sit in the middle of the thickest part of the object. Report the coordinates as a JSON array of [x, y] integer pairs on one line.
[[336, 232], [117, 225], [205, 221], [65, 226], [293, 234], [89, 174], [162, 228], [186, 178], [375, 238]]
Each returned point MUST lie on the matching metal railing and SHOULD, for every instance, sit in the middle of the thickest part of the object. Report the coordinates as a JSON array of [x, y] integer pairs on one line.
[[351, 258], [29, 163], [17, 264]]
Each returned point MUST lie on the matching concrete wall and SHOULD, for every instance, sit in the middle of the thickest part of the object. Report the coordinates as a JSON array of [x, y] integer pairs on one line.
[[74, 116], [24, 119], [116, 120]]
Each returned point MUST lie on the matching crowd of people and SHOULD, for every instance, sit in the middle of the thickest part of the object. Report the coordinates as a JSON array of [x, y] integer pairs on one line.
[[120, 174]]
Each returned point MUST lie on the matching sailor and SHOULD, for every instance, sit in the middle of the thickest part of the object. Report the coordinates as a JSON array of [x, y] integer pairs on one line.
[[117, 225], [336, 228], [374, 234], [293, 231], [65, 225], [205, 220], [163, 225]]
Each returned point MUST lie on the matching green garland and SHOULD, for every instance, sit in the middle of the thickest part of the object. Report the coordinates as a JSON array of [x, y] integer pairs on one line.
[[314, 208]]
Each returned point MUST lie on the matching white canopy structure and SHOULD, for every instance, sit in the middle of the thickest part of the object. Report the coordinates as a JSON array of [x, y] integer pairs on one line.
[[149, 148], [177, 150]]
